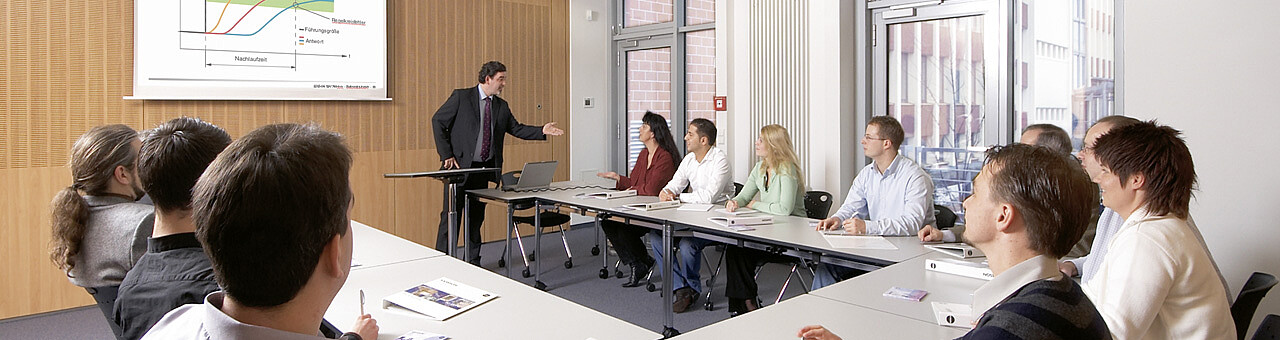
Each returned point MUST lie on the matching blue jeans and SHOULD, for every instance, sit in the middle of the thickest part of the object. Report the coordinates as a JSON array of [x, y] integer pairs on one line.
[[688, 270], [829, 274]]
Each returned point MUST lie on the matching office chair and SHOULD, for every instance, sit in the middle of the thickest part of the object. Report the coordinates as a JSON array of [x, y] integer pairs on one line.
[[944, 217], [816, 204], [1247, 302], [549, 219], [1268, 330]]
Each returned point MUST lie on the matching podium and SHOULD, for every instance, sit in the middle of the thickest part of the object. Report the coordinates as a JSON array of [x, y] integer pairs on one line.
[[451, 178]]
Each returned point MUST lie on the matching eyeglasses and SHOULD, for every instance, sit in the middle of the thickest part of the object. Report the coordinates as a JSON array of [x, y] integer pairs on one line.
[[868, 137]]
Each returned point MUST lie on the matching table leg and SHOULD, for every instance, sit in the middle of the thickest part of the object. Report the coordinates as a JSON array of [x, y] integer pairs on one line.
[[511, 211], [668, 271], [604, 270], [466, 213], [537, 246]]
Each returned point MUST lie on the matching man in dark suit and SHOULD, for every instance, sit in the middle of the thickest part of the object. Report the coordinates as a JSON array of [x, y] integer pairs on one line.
[[469, 129]]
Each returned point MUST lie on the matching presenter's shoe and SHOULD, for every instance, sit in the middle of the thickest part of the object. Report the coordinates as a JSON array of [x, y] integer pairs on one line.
[[639, 274], [685, 297]]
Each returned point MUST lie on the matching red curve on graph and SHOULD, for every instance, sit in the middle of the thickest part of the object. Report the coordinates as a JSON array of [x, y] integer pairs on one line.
[[246, 14]]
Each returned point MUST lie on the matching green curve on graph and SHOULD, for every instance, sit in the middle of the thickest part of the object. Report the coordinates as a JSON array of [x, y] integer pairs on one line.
[[315, 6]]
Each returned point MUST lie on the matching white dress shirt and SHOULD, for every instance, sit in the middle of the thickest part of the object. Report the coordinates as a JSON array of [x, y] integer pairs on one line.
[[207, 322], [1158, 282], [897, 202], [710, 180]]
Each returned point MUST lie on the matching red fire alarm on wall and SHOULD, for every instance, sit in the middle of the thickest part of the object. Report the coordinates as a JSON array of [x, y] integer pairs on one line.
[[722, 103]]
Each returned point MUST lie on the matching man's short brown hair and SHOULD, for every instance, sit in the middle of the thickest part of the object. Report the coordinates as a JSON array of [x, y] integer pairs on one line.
[[890, 129], [1050, 191], [268, 205], [1160, 155], [1052, 137]]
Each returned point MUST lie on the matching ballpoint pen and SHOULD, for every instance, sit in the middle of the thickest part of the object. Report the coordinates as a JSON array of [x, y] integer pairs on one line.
[[362, 302]]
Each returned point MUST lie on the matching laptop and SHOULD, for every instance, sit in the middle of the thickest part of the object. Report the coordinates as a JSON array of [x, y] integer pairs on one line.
[[536, 175]]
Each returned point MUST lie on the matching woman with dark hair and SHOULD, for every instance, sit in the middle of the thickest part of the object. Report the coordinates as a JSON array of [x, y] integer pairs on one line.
[[99, 231], [654, 168]]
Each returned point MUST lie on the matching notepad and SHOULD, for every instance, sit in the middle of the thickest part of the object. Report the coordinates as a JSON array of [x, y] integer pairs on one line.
[[859, 242]]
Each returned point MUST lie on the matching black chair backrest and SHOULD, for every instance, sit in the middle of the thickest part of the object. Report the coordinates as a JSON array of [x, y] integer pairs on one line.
[[1269, 329], [944, 217], [1247, 302], [737, 188], [510, 179], [817, 204]]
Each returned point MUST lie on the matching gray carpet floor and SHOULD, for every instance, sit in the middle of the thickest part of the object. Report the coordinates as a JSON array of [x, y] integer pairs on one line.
[[580, 284]]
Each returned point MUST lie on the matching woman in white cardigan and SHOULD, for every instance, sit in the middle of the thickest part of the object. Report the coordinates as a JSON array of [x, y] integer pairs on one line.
[[1158, 280]]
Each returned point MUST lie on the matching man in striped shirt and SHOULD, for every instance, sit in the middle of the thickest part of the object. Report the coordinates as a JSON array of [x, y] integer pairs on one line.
[[1029, 207]]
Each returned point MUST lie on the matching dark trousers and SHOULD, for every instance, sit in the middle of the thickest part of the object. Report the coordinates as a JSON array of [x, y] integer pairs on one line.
[[626, 240], [105, 296], [476, 217], [740, 264]]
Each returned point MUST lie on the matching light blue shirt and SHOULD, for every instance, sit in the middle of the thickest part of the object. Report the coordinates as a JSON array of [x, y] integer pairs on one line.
[[897, 202]]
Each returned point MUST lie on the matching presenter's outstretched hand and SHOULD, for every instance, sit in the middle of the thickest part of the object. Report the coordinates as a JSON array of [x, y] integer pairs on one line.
[[816, 332], [451, 163], [829, 223], [366, 326], [551, 129], [930, 234]]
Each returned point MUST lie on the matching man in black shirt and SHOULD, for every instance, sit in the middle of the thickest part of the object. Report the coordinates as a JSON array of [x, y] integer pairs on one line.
[[175, 270]]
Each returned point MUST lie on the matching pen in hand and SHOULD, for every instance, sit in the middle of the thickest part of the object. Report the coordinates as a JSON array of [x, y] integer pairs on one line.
[[362, 302]]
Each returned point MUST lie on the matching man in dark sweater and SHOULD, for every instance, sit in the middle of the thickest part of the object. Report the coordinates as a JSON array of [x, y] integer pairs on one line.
[[174, 271], [1028, 208]]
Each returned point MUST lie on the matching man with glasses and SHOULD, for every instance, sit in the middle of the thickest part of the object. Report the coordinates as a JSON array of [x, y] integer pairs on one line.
[[892, 196]]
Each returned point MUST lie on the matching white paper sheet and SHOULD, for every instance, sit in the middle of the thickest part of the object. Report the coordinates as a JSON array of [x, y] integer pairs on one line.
[[694, 207], [859, 242]]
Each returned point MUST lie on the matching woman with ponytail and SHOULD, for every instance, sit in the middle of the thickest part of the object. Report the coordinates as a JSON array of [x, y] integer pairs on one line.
[[99, 231]]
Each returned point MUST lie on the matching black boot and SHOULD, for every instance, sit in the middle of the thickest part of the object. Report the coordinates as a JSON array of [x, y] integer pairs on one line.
[[639, 273], [742, 306]]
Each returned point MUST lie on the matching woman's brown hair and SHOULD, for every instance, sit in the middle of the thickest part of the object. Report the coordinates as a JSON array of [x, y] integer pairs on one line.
[[94, 159]]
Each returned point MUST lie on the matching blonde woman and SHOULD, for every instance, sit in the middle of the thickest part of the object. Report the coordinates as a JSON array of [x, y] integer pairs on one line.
[[778, 181], [99, 231]]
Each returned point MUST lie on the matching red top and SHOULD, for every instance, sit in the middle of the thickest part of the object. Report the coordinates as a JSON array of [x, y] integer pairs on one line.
[[649, 180]]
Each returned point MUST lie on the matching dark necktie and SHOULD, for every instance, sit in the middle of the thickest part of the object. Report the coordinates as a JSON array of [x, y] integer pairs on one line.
[[486, 129]]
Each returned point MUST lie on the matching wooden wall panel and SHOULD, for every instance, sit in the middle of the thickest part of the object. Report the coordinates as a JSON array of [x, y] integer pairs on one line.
[[66, 68]]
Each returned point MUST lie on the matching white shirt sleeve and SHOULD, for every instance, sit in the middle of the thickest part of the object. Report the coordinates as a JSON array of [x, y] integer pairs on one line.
[[681, 178], [855, 202]]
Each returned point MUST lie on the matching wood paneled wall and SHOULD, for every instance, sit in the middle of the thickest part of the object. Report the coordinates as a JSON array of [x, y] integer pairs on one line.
[[65, 67]]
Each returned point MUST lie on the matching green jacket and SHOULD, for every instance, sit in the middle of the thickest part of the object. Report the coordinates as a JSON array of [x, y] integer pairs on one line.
[[783, 195]]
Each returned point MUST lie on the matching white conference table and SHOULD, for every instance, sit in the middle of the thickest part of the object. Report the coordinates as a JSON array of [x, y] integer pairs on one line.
[[520, 311], [866, 290], [784, 319], [372, 247]]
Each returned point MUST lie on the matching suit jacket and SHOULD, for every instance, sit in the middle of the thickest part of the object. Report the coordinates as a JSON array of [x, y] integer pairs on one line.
[[456, 126]]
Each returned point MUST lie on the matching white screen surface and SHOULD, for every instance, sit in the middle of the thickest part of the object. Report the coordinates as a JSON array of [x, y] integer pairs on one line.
[[260, 49]]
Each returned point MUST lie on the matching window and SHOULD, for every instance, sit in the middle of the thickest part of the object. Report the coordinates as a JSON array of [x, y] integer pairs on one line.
[[668, 67], [930, 70]]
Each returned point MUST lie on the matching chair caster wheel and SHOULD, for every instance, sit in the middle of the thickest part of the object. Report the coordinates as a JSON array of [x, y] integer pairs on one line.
[[540, 286], [595, 250], [532, 257], [526, 273], [708, 283], [709, 306], [502, 263], [651, 287], [668, 332], [568, 264], [604, 274], [618, 274]]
